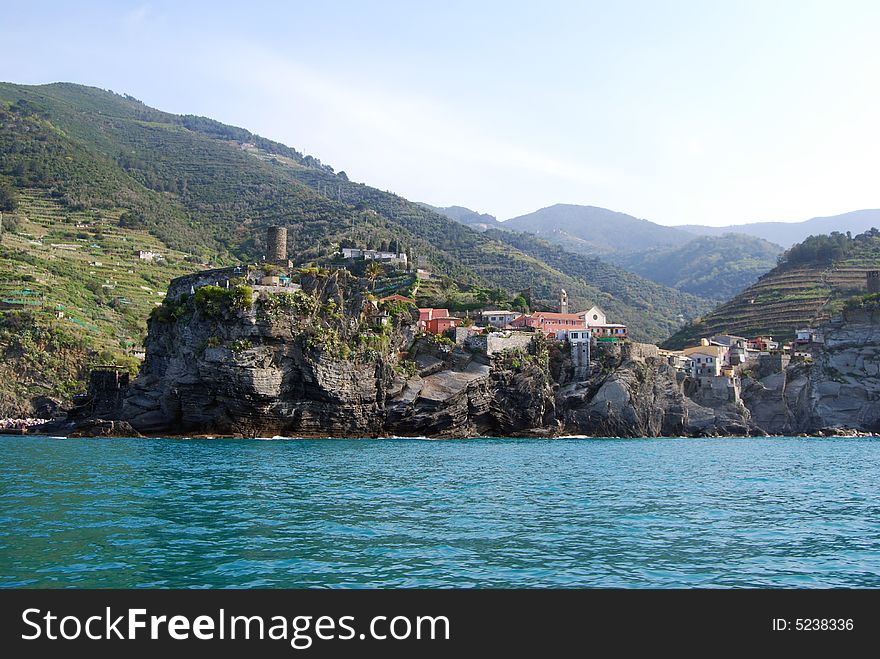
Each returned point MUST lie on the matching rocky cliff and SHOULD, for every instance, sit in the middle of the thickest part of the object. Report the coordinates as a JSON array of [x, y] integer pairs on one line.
[[330, 361], [327, 362], [838, 389]]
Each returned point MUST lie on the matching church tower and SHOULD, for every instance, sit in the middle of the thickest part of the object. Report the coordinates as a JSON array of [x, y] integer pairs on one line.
[[563, 301]]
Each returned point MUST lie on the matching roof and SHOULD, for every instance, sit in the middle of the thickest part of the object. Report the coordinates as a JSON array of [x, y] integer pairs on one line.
[[499, 311], [715, 351], [608, 325], [396, 297], [429, 314], [552, 315]]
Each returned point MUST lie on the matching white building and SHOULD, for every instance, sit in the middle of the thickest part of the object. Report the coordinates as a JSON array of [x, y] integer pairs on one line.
[[706, 360], [594, 317], [498, 318], [146, 255], [396, 258]]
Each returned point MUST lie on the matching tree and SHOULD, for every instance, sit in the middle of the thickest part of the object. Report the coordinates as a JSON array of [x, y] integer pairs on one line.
[[373, 272], [8, 197]]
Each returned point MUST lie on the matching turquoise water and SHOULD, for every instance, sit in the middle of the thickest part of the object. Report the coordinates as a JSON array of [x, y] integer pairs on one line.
[[502, 513]]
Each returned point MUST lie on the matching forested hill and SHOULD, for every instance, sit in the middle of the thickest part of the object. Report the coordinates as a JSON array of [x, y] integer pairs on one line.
[[712, 267], [627, 297], [210, 190], [88, 177], [812, 282]]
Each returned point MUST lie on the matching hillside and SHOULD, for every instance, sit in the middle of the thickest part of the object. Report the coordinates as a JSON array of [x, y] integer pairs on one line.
[[812, 282], [479, 221], [595, 231], [88, 176], [712, 267], [627, 297], [789, 233]]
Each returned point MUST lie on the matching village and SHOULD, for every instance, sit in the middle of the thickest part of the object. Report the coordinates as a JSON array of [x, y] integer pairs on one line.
[[714, 366]]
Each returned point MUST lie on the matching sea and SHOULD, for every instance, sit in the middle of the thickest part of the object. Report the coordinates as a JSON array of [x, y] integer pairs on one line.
[[471, 513]]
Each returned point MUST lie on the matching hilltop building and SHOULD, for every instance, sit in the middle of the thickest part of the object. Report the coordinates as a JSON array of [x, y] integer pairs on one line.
[[147, 255], [398, 259], [276, 246], [707, 360], [563, 302]]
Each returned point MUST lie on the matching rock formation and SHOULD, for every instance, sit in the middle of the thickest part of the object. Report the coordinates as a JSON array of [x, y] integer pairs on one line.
[[329, 361], [839, 388]]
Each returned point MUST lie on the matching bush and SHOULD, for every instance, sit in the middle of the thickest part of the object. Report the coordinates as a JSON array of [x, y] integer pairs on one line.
[[213, 301]]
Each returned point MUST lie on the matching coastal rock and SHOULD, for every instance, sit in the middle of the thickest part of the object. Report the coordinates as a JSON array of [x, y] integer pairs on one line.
[[839, 389]]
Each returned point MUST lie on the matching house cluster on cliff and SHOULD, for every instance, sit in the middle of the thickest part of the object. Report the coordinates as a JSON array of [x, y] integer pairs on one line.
[[559, 325]]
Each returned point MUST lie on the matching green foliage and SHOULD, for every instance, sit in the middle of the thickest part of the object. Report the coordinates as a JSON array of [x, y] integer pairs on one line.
[[820, 249], [863, 302], [8, 196], [803, 289], [240, 345], [171, 310], [299, 302], [214, 301], [712, 267]]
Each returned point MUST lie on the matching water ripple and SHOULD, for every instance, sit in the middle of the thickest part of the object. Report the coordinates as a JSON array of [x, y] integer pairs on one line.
[[714, 513]]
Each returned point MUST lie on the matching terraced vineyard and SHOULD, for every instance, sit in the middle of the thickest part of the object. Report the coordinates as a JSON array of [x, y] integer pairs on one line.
[[789, 297], [80, 263], [73, 292]]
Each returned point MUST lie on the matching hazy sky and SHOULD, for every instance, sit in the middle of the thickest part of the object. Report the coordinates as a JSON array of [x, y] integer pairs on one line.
[[679, 112]]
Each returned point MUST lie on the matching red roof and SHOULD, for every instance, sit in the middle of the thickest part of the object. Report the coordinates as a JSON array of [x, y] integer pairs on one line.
[[430, 314], [397, 298]]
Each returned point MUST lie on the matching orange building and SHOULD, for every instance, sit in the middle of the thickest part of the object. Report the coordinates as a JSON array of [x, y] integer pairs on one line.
[[440, 325], [436, 321]]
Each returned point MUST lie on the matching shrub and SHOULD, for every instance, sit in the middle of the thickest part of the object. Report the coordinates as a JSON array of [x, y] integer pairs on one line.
[[212, 301], [240, 345]]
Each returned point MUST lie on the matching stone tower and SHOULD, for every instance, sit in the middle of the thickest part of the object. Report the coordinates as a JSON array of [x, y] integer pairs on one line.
[[563, 301], [276, 245], [873, 277]]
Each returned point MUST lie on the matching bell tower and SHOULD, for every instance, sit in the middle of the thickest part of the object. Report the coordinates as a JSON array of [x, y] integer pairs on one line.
[[563, 301]]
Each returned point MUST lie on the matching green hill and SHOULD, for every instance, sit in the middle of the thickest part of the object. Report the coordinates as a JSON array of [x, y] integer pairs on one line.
[[88, 176], [811, 283], [626, 297], [595, 231], [712, 267]]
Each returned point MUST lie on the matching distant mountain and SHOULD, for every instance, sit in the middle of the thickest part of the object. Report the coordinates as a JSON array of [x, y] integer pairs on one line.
[[595, 231], [789, 233], [713, 267], [479, 221], [810, 284]]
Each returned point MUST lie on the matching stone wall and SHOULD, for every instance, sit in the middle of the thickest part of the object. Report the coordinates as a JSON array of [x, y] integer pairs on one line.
[[219, 276], [639, 352], [494, 342]]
